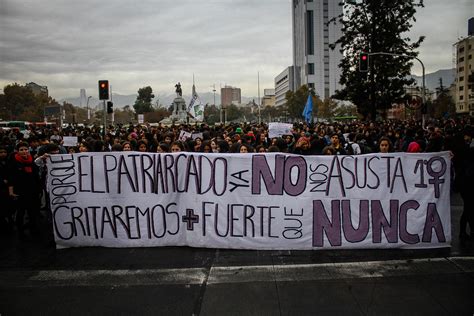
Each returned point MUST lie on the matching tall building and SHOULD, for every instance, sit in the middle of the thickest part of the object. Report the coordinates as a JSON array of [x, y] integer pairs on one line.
[[315, 64], [284, 82], [465, 73], [230, 95], [83, 98]]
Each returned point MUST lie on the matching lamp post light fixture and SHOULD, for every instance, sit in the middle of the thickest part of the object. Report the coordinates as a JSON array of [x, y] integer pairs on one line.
[[88, 110]]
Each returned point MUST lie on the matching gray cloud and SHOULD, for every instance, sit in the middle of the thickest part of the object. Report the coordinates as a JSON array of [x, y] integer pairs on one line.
[[68, 45]]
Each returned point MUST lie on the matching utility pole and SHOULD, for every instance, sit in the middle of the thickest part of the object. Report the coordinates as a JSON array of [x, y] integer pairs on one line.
[[258, 86], [88, 110]]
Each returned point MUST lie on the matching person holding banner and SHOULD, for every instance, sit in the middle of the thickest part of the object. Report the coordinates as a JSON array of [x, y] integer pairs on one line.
[[336, 144], [303, 147], [163, 148], [126, 146], [262, 139], [385, 145], [24, 187], [214, 146], [177, 146]]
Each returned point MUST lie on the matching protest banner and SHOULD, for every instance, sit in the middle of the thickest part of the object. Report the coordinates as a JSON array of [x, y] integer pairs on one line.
[[250, 201], [276, 129]]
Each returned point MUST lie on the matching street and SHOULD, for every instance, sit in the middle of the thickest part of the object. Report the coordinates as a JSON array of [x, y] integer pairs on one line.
[[35, 278]]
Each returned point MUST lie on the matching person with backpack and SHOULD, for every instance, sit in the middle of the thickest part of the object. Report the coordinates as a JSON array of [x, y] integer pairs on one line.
[[352, 148], [336, 144]]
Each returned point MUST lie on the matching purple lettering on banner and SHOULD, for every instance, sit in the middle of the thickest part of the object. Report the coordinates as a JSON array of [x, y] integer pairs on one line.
[[248, 218], [216, 222], [374, 173], [260, 167], [405, 236], [388, 168], [322, 224], [300, 185], [436, 181], [433, 222], [335, 162], [107, 170], [123, 170], [192, 170], [399, 169], [168, 170], [145, 174], [350, 233], [349, 171], [379, 222], [69, 223], [105, 213], [176, 172]]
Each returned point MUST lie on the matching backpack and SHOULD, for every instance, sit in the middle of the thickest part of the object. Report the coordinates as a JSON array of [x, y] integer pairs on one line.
[[349, 149], [364, 148]]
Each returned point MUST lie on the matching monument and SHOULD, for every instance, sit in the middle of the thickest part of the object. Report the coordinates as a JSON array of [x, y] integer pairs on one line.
[[180, 113]]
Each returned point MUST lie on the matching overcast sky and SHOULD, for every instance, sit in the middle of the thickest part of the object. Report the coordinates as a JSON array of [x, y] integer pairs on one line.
[[70, 44]]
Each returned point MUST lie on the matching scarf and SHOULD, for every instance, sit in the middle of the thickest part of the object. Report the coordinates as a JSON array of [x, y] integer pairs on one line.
[[26, 162]]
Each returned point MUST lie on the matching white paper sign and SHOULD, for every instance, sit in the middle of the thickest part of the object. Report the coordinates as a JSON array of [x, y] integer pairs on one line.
[[183, 135], [69, 141], [141, 118], [250, 201], [197, 135], [276, 129]]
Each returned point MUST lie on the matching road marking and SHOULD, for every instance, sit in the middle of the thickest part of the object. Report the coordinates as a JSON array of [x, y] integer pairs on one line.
[[238, 274]]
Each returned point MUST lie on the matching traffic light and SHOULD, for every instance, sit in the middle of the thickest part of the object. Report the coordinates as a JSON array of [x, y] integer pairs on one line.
[[103, 89], [363, 62], [110, 107]]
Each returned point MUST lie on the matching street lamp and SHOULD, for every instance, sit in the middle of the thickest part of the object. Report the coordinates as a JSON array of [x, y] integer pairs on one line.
[[88, 110], [423, 92]]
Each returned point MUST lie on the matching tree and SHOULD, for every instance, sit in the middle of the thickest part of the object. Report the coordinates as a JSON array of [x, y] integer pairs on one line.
[[16, 101], [295, 101], [20, 103], [233, 113], [157, 115], [376, 26], [211, 114], [326, 109], [269, 113], [143, 103]]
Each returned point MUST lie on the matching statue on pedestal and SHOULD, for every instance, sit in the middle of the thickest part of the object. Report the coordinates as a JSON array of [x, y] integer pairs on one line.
[[179, 92]]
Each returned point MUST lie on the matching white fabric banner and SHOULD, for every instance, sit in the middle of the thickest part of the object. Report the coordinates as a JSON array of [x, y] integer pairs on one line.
[[250, 201]]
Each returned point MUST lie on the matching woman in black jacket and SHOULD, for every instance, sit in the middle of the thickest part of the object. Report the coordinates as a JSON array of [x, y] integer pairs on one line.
[[24, 187]]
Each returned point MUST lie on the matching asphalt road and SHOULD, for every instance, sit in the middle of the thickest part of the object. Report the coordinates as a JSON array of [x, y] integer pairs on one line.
[[35, 278]]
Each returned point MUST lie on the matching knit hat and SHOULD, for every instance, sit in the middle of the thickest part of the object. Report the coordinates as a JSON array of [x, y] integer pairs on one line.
[[251, 135], [238, 130], [414, 147]]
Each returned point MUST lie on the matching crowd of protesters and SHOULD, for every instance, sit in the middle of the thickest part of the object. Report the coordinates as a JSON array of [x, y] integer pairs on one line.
[[22, 153]]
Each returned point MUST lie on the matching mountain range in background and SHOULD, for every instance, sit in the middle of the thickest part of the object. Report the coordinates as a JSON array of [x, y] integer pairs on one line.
[[165, 100], [432, 79]]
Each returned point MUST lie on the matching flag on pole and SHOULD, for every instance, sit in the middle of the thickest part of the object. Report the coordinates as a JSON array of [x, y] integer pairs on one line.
[[308, 109], [196, 108]]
